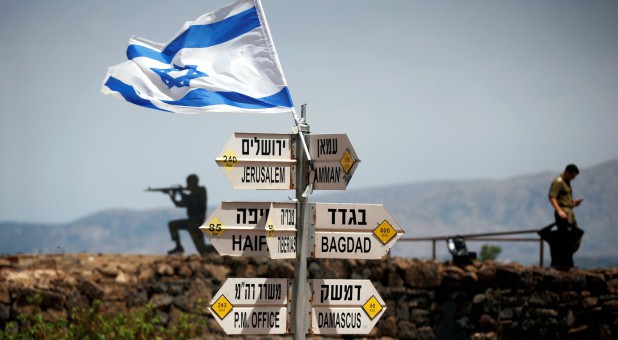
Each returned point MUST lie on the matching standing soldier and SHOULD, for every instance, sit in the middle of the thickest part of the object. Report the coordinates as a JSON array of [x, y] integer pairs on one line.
[[561, 198], [565, 241]]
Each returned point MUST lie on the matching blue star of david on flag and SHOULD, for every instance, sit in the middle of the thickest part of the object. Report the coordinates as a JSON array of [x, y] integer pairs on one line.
[[182, 80]]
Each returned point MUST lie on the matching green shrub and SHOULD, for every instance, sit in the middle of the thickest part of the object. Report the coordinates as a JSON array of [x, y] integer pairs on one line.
[[489, 252], [89, 323]]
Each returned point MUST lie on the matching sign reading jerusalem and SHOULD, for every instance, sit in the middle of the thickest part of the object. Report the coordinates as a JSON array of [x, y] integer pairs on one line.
[[267, 161], [258, 161]]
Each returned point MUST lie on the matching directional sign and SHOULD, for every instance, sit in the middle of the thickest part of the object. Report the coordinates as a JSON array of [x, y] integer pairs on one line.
[[260, 306], [344, 306], [281, 231], [334, 161], [347, 231], [253, 229], [258, 161], [252, 306], [268, 229]]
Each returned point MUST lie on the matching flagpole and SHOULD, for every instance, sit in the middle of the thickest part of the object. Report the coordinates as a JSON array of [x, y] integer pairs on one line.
[[300, 313]]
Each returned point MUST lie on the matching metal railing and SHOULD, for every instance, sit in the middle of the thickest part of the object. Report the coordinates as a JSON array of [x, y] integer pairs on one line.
[[484, 237]]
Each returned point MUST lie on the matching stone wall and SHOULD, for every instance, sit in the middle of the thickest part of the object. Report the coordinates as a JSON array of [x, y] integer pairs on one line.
[[425, 299]]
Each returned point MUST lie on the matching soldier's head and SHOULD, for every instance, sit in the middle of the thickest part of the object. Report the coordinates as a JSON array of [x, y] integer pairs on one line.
[[192, 181], [570, 172]]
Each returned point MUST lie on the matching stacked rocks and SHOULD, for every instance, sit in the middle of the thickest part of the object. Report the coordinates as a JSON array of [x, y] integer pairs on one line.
[[425, 299]]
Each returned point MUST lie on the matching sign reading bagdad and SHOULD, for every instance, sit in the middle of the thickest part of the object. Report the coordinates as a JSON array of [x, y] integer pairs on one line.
[[351, 230], [268, 229]]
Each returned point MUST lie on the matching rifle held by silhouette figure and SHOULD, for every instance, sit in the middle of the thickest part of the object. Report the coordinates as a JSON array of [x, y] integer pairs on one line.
[[173, 189]]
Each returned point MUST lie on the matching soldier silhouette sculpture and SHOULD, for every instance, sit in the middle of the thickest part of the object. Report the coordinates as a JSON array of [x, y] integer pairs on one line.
[[194, 198]]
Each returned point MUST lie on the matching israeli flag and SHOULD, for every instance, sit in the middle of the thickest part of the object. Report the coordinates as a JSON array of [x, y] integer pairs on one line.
[[224, 61]]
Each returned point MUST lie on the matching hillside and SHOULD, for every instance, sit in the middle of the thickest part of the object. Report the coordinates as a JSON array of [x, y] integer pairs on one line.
[[109, 231], [422, 209], [484, 206]]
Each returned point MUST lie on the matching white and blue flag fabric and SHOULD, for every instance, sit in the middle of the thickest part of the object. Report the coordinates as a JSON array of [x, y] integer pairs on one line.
[[225, 61]]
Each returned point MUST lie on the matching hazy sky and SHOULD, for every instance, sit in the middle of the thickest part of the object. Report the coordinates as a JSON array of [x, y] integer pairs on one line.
[[425, 90]]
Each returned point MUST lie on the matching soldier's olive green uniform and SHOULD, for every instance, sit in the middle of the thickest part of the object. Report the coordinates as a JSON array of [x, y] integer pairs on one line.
[[562, 192]]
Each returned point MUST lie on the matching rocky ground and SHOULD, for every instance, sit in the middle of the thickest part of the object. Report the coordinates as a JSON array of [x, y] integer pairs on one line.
[[425, 299]]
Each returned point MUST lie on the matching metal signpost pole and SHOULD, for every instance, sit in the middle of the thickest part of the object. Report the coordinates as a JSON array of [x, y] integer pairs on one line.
[[299, 288], [281, 230]]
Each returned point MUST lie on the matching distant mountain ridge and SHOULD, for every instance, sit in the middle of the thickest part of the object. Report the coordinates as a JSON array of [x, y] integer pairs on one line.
[[422, 209], [482, 206], [108, 231]]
